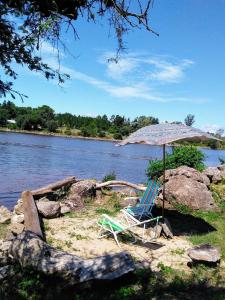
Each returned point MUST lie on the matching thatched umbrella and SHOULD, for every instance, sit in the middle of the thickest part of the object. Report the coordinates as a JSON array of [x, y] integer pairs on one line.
[[162, 134]]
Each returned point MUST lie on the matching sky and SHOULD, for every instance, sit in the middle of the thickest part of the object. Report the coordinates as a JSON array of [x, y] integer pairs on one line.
[[179, 72]]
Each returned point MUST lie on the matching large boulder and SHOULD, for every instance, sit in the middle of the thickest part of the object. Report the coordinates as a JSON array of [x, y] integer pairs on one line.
[[188, 173], [5, 215], [215, 174], [75, 203], [186, 186], [83, 188], [29, 250], [48, 209], [205, 253], [188, 192]]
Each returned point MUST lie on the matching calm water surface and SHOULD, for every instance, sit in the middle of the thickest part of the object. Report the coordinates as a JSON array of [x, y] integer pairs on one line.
[[31, 161]]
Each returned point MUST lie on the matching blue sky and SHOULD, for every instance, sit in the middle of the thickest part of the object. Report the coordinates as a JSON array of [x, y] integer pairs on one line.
[[182, 71]]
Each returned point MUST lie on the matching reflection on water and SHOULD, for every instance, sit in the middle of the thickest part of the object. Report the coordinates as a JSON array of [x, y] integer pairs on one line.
[[31, 161]]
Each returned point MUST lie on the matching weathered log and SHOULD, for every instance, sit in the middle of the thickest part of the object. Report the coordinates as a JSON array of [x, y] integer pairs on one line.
[[113, 183], [31, 218], [30, 251], [53, 186]]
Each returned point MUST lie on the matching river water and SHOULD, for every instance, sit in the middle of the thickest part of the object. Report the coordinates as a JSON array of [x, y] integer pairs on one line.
[[31, 161]]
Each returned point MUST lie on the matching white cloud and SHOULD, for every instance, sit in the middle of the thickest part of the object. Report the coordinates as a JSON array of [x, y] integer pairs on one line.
[[133, 77], [213, 128], [167, 71]]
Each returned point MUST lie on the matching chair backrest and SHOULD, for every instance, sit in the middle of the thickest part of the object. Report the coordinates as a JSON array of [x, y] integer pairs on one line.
[[150, 194]]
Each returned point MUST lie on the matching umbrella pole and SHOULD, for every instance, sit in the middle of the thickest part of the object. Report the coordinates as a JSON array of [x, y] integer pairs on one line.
[[164, 178]]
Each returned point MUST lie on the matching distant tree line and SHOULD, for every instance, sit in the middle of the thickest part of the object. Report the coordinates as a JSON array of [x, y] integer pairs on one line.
[[44, 118]]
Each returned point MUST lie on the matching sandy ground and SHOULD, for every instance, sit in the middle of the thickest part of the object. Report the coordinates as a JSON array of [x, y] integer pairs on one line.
[[78, 234]]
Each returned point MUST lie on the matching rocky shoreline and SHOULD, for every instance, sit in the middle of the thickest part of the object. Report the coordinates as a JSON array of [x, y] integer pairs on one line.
[[184, 187]]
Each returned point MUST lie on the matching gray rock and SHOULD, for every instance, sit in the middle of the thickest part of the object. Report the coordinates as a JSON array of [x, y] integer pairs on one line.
[[167, 229], [15, 228], [128, 192], [17, 218], [18, 208], [5, 215], [48, 209], [214, 174], [4, 252], [188, 173], [205, 253], [6, 272], [83, 188], [222, 167], [74, 203], [189, 192], [129, 201], [155, 232], [30, 251]]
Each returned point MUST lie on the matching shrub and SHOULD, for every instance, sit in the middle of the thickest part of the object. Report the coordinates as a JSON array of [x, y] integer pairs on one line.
[[67, 131], [181, 156], [117, 136], [51, 126], [101, 134], [110, 176]]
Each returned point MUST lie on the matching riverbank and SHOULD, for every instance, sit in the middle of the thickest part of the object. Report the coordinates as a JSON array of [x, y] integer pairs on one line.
[[161, 267], [57, 134], [105, 139]]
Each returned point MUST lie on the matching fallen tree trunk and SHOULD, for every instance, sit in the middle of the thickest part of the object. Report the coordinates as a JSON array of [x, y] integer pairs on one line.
[[113, 183], [30, 251], [54, 186], [31, 217]]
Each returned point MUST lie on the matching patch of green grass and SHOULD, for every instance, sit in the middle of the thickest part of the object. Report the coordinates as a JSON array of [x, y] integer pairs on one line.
[[3, 230], [218, 192], [68, 243], [182, 208], [111, 207], [178, 251], [203, 283], [103, 211], [165, 270], [216, 238], [71, 214], [80, 237]]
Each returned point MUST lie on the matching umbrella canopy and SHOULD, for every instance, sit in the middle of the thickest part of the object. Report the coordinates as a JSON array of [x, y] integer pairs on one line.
[[162, 134], [165, 133]]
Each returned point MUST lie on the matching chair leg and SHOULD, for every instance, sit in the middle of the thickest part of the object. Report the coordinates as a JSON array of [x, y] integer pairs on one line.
[[116, 239]]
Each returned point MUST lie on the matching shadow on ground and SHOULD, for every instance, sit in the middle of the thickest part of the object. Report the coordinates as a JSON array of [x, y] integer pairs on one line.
[[183, 224]]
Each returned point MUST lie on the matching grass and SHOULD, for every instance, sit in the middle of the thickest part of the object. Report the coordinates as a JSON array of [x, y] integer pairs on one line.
[[203, 283], [215, 219], [216, 238], [111, 207], [178, 251]]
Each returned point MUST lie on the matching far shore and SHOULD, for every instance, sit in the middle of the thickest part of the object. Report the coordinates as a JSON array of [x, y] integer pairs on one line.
[[105, 139], [44, 133]]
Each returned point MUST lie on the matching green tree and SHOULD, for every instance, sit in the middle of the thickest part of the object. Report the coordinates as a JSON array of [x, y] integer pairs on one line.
[[51, 126], [189, 120], [142, 121], [181, 156], [3, 116]]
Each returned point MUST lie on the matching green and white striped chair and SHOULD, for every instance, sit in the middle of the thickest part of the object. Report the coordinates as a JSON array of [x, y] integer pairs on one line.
[[112, 226]]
